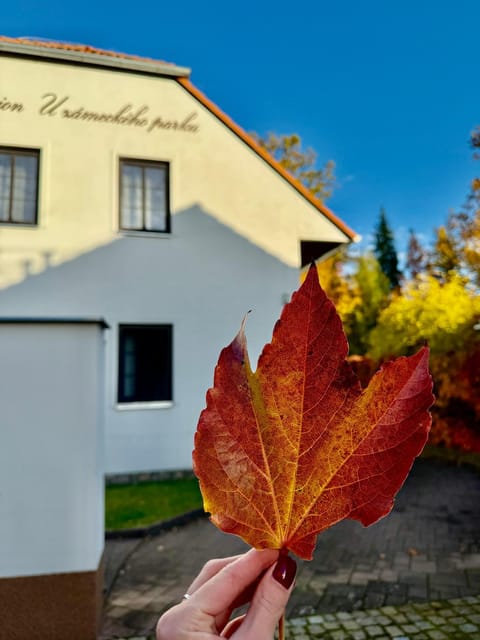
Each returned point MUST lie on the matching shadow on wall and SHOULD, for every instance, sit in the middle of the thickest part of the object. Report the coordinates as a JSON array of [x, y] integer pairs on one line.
[[203, 266]]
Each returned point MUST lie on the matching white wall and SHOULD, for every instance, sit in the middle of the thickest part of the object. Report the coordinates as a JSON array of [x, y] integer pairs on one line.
[[210, 167], [51, 448], [234, 246], [203, 280]]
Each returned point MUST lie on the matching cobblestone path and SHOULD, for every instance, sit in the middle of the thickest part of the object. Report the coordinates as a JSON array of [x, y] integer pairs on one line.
[[427, 550]]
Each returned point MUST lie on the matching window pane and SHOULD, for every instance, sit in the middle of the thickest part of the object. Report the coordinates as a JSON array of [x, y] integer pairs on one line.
[[24, 211], [131, 217], [18, 186], [24, 189], [144, 195], [131, 197], [155, 199], [5, 177], [145, 363], [129, 368], [155, 177]]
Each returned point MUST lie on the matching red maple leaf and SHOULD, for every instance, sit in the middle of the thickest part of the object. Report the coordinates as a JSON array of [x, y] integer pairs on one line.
[[285, 452]]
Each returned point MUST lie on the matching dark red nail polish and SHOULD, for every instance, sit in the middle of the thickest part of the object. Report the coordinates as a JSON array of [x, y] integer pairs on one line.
[[285, 570]]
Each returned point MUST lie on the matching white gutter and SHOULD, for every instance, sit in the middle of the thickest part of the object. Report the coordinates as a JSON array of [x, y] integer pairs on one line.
[[127, 64]]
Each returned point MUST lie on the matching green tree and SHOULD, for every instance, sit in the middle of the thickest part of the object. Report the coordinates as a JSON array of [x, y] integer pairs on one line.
[[288, 151], [370, 289], [384, 250]]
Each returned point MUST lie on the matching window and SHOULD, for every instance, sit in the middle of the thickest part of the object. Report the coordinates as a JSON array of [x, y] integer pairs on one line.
[[144, 196], [18, 185], [145, 363]]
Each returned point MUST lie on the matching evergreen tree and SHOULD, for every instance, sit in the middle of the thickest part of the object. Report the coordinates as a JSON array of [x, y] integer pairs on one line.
[[384, 250]]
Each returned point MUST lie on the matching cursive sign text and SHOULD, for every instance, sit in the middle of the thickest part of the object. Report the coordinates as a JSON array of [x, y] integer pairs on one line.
[[128, 115], [6, 105]]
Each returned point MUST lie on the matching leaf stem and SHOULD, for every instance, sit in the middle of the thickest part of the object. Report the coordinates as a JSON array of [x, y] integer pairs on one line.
[[281, 622], [281, 627]]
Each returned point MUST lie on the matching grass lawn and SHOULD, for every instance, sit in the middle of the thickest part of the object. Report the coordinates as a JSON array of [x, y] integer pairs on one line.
[[143, 503], [455, 456]]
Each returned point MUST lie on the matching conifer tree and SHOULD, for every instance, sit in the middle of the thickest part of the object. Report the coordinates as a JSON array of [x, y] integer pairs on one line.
[[384, 250]]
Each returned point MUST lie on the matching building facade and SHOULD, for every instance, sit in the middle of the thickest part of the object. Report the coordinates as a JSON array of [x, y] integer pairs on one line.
[[126, 194]]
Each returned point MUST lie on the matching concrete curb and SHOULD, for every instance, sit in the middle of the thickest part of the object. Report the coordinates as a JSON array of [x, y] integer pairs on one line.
[[156, 527]]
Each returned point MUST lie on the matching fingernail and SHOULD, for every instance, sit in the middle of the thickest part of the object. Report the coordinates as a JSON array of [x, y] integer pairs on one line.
[[285, 571]]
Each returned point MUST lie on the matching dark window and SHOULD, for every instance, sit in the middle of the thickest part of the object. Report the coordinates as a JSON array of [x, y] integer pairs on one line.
[[144, 196], [145, 363], [312, 250], [18, 185]]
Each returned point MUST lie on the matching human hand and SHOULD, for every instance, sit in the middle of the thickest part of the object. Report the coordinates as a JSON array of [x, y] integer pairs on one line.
[[263, 578]]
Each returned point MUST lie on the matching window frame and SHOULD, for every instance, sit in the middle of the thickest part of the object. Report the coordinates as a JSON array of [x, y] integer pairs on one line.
[[122, 400], [28, 152], [145, 164]]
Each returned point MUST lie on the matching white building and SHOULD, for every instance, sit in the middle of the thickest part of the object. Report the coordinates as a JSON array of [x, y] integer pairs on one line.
[[51, 479], [127, 195]]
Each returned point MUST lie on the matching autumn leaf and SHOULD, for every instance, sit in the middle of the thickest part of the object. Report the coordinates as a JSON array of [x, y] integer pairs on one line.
[[287, 451]]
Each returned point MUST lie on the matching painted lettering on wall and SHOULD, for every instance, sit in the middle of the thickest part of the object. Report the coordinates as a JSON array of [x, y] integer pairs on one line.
[[128, 115], [131, 115], [7, 105]]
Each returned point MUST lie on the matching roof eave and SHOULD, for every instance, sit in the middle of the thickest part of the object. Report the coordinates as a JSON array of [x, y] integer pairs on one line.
[[146, 66], [350, 234]]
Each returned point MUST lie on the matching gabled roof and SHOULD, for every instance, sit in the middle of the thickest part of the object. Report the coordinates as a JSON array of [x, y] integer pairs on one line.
[[86, 54], [249, 140]]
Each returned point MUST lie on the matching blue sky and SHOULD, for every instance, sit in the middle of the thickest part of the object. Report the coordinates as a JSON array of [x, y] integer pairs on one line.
[[387, 89]]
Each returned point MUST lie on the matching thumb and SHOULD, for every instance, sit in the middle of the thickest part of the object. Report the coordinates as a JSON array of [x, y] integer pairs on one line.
[[269, 602]]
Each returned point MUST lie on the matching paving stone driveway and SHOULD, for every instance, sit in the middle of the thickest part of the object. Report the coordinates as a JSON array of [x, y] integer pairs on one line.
[[427, 549]]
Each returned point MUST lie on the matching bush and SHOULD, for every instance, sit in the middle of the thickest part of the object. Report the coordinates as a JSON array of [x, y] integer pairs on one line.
[[444, 316], [456, 413]]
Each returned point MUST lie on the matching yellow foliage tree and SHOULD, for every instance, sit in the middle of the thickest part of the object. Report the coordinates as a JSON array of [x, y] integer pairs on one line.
[[446, 259], [301, 163], [441, 314], [330, 273], [358, 297]]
